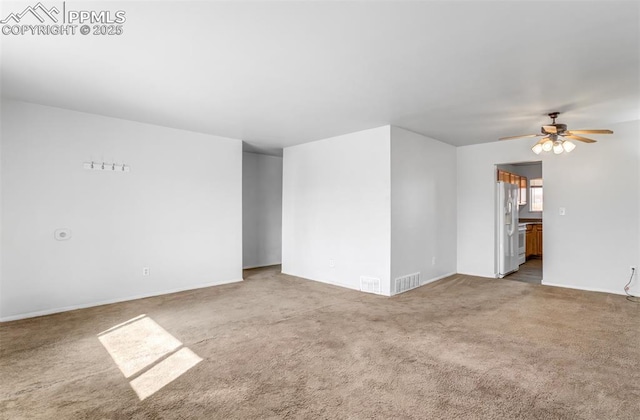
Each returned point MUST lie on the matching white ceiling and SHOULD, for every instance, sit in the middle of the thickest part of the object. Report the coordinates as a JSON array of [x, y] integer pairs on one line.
[[277, 74]]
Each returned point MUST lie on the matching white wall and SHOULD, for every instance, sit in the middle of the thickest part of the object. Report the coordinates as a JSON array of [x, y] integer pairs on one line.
[[423, 206], [261, 210], [336, 206], [177, 212], [593, 246], [1, 200], [636, 280]]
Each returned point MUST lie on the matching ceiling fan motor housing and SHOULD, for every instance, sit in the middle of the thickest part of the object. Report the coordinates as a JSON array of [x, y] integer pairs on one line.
[[560, 128]]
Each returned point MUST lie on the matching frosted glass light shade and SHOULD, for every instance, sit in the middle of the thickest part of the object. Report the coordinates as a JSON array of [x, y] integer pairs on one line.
[[557, 147], [537, 149], [568, 146], [547, 145]]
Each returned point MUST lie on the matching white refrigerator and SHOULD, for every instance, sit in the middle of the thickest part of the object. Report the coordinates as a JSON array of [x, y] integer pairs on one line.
[[507, 228]]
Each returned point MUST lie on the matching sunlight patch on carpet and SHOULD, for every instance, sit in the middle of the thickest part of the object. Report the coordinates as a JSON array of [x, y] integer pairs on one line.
[[136, 345], [142, 348], [164, 372]]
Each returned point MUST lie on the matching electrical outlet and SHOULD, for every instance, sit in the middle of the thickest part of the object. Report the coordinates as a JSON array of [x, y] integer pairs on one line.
[[332, 263], [145, 271], [433, 260]]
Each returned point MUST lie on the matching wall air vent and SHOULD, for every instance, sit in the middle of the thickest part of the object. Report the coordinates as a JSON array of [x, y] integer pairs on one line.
[[408, 282], [370, 285]]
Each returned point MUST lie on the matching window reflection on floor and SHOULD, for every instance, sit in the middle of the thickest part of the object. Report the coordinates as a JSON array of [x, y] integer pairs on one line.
[[144, 350]]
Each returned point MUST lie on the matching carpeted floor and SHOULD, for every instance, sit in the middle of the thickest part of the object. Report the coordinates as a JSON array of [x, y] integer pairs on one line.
[[276, 346]]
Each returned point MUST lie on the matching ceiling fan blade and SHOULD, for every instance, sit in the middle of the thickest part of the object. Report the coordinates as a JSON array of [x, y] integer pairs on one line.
[[519, 137], [591, 132], [542, 140], [582, 139], [550, 129]]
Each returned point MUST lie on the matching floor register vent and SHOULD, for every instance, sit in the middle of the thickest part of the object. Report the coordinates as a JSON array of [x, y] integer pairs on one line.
[[370, 285], [408, 282]]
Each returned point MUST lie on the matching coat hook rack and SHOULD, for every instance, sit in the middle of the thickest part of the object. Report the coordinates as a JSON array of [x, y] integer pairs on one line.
[[107, 167]]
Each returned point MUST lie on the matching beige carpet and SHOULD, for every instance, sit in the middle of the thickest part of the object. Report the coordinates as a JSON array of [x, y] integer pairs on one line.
[[277, 346]]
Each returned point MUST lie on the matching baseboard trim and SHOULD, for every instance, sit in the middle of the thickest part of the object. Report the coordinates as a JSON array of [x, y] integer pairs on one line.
[[425, 282], [111, 301], [251, 267], [586, 289], [437, 278], [333, 283]]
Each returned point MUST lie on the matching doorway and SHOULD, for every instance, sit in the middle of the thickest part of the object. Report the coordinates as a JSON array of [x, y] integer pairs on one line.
[[261, 210], [527, 176]]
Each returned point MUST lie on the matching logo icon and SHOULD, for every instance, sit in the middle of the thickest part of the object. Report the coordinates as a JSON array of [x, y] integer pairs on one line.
[[44, 20], [38, 10]]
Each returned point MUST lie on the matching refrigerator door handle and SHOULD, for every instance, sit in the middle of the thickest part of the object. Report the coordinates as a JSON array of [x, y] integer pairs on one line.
[[511, 223]]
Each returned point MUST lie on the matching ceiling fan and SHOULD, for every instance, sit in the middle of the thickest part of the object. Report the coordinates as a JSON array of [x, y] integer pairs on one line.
[[555, 137]]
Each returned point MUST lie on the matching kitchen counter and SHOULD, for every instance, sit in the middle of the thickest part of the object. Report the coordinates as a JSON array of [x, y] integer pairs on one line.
[[526, 220]]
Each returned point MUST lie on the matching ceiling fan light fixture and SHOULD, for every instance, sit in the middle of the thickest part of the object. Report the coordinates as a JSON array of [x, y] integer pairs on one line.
[[556, 137], [568, 146], [557, 147]]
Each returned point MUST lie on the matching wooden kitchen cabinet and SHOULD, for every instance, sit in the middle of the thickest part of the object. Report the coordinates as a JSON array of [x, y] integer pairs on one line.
[[539, 240], [530, 242], [533, 240], [520, 181]]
